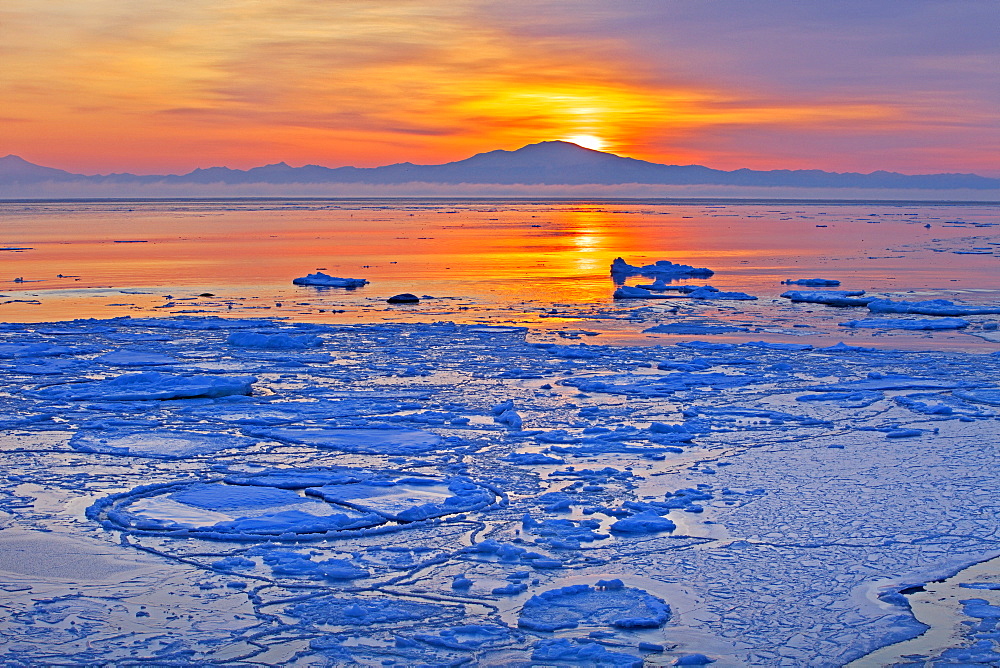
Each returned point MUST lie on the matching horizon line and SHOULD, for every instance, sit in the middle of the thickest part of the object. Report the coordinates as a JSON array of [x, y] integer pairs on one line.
[[538, 143]]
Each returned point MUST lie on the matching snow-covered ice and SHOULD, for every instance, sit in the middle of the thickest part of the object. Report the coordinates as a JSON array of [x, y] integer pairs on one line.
[[319, 279], [689, 292], [660, 268], [829, 297], [942, 307], [812, 282], [908, 323]]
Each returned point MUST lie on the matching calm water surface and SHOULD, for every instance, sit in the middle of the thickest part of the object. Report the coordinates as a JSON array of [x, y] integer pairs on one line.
[[541, 263]]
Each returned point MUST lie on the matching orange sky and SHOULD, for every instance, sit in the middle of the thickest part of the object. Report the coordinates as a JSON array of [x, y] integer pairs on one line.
[[166, 86]]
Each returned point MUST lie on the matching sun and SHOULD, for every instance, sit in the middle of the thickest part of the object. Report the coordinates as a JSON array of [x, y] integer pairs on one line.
[[587, 141]]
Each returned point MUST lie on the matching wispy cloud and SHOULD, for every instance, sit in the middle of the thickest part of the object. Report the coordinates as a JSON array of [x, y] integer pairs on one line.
[[165, 85]]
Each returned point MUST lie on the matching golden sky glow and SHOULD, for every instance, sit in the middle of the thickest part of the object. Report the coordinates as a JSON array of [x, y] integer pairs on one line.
[[105, 85]]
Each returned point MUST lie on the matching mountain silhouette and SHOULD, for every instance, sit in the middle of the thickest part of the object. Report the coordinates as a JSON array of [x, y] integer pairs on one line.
[[544, 163]]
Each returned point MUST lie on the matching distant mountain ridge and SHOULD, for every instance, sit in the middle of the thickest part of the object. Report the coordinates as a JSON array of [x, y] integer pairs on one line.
[[544, 163]]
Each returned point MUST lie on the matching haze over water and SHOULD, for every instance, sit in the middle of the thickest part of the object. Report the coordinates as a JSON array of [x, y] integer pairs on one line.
[[542, 263]]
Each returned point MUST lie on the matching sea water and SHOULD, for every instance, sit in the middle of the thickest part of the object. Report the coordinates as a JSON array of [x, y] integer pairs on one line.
[[537, 262]]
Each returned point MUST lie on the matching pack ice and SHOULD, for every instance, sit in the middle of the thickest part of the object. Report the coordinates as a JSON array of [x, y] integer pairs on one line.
[[192, 491]]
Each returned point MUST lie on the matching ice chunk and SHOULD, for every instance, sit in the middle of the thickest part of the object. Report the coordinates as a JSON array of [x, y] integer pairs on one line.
[[772, 345], [510, 418], [981, 608], [708, 292], [903, 433], [878, 381], [629, 292], [233, 564], [858, 399], [693, 328], [360, 441], [986, 396], [320, 279], [222, 511], [941, 307], [234, 497], [530, 458], [616, 606], [157, 443], [468, 637], [282, 505], [302, 565], [653, 385], [907, 323], [829, 297], [567, 652], [644, 522], [13, 350], [126, 357], [690, 292], [148, 386], [817, 282], [273, 341], [365, 612], [660, 268], [409, 499]]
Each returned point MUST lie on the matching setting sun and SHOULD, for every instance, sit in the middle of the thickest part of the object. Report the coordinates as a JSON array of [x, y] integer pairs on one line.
[[588, 141]]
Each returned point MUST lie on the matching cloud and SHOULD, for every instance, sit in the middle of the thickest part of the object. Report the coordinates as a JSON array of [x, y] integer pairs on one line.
[[166, 85]]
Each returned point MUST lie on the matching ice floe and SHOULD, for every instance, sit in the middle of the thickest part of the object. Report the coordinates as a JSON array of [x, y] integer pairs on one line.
[[319, 279], [941, 307], [278, 341], [369, 441], [689, 292], [829, 297], [816, 282], [606, 603], [907, 323], [270, 505], [150, 386], [665, 268], [159, 443]]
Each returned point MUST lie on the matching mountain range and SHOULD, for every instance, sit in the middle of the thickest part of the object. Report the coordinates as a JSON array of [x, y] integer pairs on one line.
[[544, 163]]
